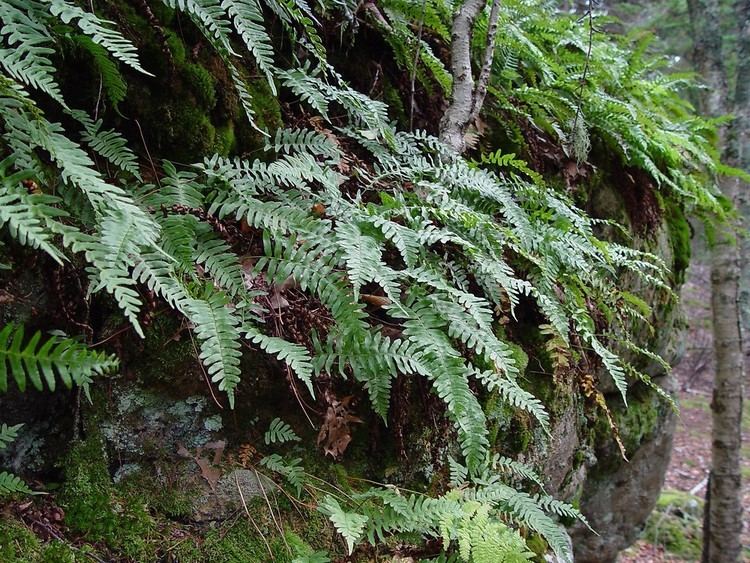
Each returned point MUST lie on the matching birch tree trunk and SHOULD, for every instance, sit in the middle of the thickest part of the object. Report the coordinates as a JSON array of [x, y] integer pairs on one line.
[[723, 518], [467, 97]]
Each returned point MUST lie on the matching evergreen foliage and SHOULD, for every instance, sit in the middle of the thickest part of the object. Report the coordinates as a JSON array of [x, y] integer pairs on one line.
[[65, 358], [450, 248]]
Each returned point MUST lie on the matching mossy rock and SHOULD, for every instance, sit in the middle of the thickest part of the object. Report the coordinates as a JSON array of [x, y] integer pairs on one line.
[[676, 524], [94, 510]]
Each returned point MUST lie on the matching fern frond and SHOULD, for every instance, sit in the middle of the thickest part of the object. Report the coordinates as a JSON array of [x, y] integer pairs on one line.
[[10, 484], [291, 470], [349, 524], [295, 356], [279, 432], [217, 328], [109, 144], [247, 16], [29, 45], [8, 434], [60, 357], [28, 216], [99, 32]]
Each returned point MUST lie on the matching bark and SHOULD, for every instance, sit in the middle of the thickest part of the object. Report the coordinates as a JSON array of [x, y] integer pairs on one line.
[[741, 147], [723, 523], [489, 55], [707, 55], [465, 96]]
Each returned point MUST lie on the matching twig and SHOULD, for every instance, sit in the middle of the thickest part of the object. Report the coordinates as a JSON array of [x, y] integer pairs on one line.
[[244, 505], [148, 153], [273, 515]]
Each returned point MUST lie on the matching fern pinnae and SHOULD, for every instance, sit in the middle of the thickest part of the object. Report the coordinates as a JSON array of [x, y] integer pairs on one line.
[[294, 355], [99, 32], [217, 329], [60, 357], [29, 44], [247, 16]]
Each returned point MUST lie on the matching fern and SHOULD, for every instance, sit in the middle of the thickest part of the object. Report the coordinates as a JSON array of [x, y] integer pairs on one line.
[[56, 357], [349, 524], [113, 83], [8, 434], [295, 356], [27, 216], [248, 21], [99, 32], [109, 144], [26, 57], [10, 484], [291, 470], [279, 432], [217, 329]]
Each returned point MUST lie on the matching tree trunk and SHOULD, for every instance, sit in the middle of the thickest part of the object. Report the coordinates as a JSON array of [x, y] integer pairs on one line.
[[741, 147], [723, 522], [466, 97]]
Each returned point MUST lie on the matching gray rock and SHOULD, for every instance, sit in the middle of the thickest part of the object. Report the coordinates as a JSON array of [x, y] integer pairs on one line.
[[226, 498], [617, 504]]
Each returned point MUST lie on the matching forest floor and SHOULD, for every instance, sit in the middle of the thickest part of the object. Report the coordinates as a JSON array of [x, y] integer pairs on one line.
[[685, 484]]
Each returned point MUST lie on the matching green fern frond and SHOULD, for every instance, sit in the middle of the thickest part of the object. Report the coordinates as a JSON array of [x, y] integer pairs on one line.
[[247, 16], [113, 83], [217, 328], [109, 144], [11, 484], [209, 15], [26, 57], [279, 432], [28, 216], [349, 524], [60, 357], [99, 32], [8, 434], [291, 470], [294, 355]]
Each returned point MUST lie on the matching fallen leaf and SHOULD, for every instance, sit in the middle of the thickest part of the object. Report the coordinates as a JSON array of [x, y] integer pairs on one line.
[[208, 471]]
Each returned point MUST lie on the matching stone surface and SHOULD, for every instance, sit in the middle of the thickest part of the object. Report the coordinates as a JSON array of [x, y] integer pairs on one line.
[[618, 503], [230, 494], [144, 424]]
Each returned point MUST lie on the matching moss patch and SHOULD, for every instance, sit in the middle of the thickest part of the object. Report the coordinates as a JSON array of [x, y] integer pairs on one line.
[[679, 240], [94, 510], [676, 524], [18, 544]]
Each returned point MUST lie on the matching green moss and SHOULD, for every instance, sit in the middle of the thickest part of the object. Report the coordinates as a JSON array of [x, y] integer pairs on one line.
[[679, 239], [201, 83], [537, 546], [676, 524], [266, 105], [226, 140], [174, 501], [17, 543], [240, 542], [638, 421], [191, 130], [93, 509], [176, 46], [160, 355], [59, 552]]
